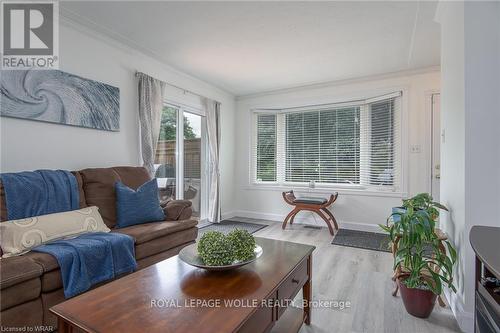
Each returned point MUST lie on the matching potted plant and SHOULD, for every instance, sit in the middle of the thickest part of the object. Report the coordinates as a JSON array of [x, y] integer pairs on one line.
[[423, 261]]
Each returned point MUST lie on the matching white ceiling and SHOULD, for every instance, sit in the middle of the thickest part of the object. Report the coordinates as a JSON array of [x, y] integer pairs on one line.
[[252, 47]]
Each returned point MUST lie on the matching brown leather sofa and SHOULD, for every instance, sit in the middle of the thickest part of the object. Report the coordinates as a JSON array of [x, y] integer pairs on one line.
[[31, 283]]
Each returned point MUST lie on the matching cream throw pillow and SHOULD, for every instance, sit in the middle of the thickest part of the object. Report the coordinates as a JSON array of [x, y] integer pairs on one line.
[[20, 236]]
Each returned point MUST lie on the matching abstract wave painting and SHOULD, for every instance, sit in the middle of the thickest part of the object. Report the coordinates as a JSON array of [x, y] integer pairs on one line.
[[58, 97]]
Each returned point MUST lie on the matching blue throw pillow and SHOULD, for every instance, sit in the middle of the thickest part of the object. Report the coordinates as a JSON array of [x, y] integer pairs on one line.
[[136, 207]]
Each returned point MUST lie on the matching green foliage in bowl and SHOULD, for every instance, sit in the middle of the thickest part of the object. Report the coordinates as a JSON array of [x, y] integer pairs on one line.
[[242, 244], [214, 249], [217, 249]]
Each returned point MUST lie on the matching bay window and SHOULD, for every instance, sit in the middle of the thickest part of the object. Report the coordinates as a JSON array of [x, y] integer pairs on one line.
[[353, 144]]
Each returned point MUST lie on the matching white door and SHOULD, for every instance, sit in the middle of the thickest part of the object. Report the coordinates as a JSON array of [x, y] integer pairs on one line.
[[436, 145]]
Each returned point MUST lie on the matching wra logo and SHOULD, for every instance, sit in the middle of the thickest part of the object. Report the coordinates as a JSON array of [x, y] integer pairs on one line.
[[29, 30]]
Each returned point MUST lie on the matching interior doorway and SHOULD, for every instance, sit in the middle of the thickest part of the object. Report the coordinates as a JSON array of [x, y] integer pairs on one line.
[[435, 145]]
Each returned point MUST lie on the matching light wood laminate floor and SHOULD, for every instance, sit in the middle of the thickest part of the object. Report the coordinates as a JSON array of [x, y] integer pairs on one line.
[[362, 277]]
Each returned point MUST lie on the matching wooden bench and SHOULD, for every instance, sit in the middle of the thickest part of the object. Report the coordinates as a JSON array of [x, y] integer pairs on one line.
[[316, 205]]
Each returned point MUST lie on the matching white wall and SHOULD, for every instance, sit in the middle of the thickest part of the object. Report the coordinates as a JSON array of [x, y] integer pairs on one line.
[[29, 145], [482, 112], [482, 117], [470, 155], [352, 209], [453, 146]]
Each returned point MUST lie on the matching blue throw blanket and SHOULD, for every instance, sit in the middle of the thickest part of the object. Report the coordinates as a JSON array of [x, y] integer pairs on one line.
[[41, 192], [91, 258]]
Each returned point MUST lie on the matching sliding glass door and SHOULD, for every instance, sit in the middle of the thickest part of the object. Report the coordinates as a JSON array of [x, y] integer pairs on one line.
[[192, 160], [166, 154], [180, 157]]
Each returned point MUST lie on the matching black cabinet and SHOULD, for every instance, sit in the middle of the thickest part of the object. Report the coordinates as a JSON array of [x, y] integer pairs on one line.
[[485, 242]]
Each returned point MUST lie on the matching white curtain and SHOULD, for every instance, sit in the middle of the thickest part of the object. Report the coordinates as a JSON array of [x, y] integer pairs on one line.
[[212, 116], [151, 97]]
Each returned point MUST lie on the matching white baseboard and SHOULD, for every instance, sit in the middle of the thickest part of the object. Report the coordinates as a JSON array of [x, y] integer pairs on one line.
[[258, 215], [227, 215], [310, 219], [360, 226], [464, 318]]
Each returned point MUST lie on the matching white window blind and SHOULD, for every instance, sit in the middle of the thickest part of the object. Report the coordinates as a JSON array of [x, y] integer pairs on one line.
[[266, 148], [323, 146], [350, 143], [382, 139]]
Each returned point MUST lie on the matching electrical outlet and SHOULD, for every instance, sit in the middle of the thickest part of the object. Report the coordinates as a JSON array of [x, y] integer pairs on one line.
[[415, 149]]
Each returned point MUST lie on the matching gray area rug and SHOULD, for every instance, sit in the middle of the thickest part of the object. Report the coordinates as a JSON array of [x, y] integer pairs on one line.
[[227, 226], [362, 239]]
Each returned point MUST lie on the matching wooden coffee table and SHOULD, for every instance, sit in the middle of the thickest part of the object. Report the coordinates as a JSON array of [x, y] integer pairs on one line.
[[172, 296]]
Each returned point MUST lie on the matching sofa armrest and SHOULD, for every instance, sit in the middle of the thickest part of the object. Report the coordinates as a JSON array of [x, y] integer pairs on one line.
[[177, 210]]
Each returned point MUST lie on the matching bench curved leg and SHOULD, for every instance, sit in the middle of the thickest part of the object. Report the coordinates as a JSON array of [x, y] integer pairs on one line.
[[293, 212], [293, 216], [330, 214], [327, 221]]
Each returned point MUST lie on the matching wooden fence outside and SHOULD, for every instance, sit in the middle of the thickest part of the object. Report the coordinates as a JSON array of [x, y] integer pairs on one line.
[[165, 154]]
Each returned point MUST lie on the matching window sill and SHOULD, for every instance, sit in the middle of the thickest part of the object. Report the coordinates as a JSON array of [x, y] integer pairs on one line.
[[323, 190]]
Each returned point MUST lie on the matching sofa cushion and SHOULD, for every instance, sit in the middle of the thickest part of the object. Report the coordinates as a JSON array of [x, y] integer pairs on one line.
[[51, 278], [18, 236], [164, 243], [24, 315], [137, 206], [99, 187], [16, 270], [45, 261], [51, 281], [145, 232], [20, 293]]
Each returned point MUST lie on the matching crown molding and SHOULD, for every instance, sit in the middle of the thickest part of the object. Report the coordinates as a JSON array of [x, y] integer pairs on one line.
[[82, 24], [320, 85]]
